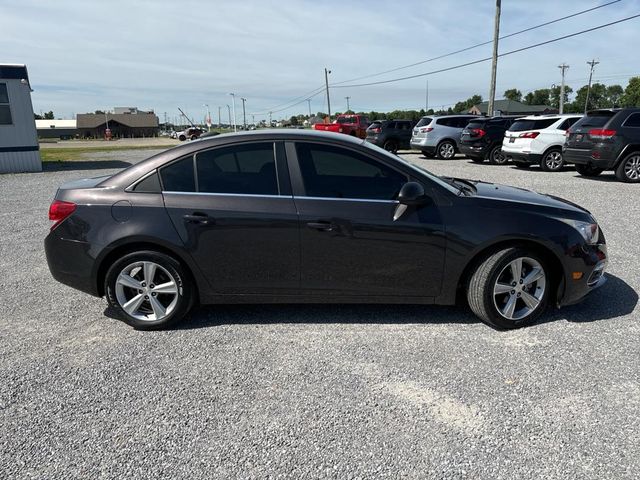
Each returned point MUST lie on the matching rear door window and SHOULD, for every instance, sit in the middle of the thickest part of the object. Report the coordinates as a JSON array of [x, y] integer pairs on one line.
[[178, 176], [240, 169], [537, 124]]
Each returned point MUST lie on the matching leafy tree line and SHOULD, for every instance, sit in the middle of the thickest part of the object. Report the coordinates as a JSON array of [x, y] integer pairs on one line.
[[46, 116]]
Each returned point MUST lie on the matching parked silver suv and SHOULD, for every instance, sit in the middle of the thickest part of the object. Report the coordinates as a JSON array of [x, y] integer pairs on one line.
[[439, 135]]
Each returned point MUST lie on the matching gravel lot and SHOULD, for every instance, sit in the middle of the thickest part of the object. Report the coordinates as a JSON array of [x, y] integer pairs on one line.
[[316, 391]]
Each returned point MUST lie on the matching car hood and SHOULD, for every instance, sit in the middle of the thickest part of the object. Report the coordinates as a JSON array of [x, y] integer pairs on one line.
[[493, 191]]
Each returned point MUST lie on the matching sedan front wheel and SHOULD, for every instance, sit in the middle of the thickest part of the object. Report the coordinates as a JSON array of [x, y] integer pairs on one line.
[[509, 289]]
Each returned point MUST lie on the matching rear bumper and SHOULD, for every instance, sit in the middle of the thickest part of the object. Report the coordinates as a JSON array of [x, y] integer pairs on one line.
[[591, 261], [520, 157], [474, 151], [423, 144], [584, 157], [71, 263]]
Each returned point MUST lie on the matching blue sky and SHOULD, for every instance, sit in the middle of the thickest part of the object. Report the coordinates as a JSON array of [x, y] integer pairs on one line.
[[160, 55]]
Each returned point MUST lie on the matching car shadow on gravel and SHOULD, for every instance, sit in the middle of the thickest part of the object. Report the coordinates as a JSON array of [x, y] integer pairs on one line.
[[82, 165], [614, 299], [603, 177]]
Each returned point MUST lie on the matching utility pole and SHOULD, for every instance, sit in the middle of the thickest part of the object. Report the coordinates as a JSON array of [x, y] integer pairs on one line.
[[270, 121], [229, 112], [562, 67], [593, 63], [253, 119], [347, 98], [233, 102], [219, 118], [244, 114], [309, 104], [426, 100], [326, 81], [494, 63]]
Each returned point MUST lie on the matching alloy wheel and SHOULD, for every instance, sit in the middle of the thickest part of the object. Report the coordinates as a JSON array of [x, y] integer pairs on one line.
[[497, 156], [519, 288], [447, 150], [146, 291], [632, 167], [553, 161]]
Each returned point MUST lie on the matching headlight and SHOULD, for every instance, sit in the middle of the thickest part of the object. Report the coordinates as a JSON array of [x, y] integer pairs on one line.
[[589, 231]]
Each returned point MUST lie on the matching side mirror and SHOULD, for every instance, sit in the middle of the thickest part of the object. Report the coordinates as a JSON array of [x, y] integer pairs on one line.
[[412, 193]]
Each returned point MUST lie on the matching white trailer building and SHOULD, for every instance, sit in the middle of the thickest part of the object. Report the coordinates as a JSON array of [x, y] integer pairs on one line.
[[19, 151]]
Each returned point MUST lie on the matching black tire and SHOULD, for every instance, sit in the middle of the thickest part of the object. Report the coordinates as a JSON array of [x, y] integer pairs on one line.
[[496, 157], [552, 160], [588, 170], [446, 150], [477, 159], [629, 168], [185, 290], [182, 138], [427, 154], [390, 146], [523, 166], [193, 137], [480, 291]]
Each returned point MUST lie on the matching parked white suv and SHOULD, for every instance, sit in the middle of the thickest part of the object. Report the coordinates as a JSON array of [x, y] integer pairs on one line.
[[538, 140]]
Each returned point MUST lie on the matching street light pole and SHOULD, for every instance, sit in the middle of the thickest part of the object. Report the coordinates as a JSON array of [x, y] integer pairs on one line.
[[270, 121], [244, 114], [233, 96], [347, 98], [219, 117], [562, 67], [208, 117], [326, 81], [309, 103], [229, 112], [494, 63], [593, 63]]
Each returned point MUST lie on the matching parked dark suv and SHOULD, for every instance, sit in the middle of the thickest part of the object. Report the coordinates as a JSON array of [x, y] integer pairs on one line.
[[606, 139], [391, 135], [482, 139]]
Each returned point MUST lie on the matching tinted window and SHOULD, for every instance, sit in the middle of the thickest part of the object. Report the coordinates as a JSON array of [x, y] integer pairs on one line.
[[424, 121], [461, 122], [391, 125], [404, 125], [248, 169], [178, 176], [633, 120], [444, 121], [567, 123], [5, 110], [475, 124], [596, 119], [4, 96], [522, 125], [151, 184], [335, 172]]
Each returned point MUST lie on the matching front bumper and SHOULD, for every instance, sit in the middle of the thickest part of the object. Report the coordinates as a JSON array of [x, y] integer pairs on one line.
[[589, 260]]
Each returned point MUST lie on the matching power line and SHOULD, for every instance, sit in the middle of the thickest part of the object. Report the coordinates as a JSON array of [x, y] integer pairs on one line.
[[478, 44], [474, 62], [290, 105], [310, 94]]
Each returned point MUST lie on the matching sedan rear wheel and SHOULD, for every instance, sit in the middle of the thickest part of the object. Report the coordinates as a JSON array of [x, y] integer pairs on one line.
[[446, 150], [552, 161], [149, 289], [629, 169], [509, 289]]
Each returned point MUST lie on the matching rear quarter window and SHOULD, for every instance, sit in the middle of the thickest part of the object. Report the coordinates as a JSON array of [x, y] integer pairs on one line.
[[632, 121]]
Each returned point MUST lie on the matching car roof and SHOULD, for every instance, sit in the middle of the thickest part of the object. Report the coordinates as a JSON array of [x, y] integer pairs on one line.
[[130, 174], [465, 115], [551, 115]]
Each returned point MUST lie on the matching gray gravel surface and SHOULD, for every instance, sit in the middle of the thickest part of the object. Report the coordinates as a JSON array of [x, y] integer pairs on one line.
[[317, 391]]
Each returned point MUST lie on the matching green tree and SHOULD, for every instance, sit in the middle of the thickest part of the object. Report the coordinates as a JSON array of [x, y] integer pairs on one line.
[[99, 112], [49, 115], [466, 104], [631, 97], [293, 120], [513, 94], [597, 97], [614, 95], [538, 97], [554, 96]]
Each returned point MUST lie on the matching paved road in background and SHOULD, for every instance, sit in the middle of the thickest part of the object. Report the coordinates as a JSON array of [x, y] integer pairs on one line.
[[252, 391]]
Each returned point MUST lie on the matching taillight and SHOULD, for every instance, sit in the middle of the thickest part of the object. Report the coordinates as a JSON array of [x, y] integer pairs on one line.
[[477, 132], [60, 210], [425, 129], [601, 134], [375, 130], [529, 135], [567, 133]]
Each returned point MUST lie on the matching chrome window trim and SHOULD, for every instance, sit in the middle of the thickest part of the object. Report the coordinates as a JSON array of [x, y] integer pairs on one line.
[[301, 197], [369, 200]]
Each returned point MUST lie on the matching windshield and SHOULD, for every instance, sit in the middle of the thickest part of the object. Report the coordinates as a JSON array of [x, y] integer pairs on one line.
[[595, 120], [423, 171], [523, 125], [347, 120], [424, 121]]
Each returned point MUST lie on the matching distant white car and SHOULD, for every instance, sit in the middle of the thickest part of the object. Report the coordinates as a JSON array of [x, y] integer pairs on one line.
[[538, 140]]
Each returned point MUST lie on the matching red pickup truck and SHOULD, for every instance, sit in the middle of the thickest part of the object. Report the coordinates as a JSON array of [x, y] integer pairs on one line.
[[354, 125]]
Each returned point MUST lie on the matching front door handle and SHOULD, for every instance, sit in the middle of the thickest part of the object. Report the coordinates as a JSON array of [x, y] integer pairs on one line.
[[322, 226], [198, 217]]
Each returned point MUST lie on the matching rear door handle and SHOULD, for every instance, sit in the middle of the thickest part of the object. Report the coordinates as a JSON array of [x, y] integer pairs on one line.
[[197, 217], [322, 226]]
